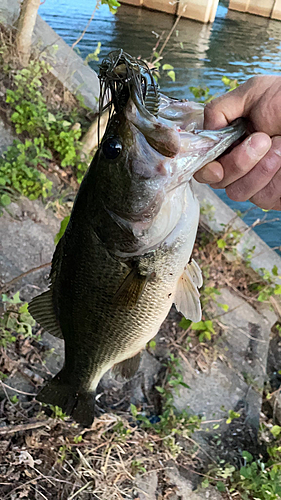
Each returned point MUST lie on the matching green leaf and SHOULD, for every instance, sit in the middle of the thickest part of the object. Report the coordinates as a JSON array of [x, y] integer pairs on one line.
[[248, 456], [275, 270], [63, 226], [134, 410], [51, 118], [277, 290], [224, 307], [172, 75], [198, 326], [24, 308], [221, 244], [5, 200], [167, 67], [221, 486], [185, 323], [152, 344], [276, 430]]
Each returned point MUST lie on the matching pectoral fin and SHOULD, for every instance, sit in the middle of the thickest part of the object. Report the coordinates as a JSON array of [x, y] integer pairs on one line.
[[131, 289], [128, 367], [187, 298], [42, 310]]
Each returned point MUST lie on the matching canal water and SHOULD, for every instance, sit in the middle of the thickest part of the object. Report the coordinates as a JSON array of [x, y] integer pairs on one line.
[[236, 45]]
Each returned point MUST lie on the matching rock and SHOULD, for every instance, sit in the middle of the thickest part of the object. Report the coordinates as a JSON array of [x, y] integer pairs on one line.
[[9, 11], [233, 382], [241, 374], [67, 66], [27, 233], [146, 377], [55, 357], [220, 215], [6, 134], [184, 487], [19, 383], [146, 487]]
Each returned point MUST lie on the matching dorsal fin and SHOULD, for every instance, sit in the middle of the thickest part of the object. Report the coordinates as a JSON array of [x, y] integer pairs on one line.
[[42, 307], [42, 310]]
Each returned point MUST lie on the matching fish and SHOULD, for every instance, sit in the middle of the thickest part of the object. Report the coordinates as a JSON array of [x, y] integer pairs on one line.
[[125, 256]]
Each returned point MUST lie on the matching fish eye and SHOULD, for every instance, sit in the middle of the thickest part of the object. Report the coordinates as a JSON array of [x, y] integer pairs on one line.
[[111, 148]]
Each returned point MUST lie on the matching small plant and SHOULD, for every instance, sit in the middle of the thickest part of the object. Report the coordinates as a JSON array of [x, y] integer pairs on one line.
[[204, 329], [256, 479], [15, 320], [137, 467], [52, 136], [18, 172], [57, 412], [170, 423]]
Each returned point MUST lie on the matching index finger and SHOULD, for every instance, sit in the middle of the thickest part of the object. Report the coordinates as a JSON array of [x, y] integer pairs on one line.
[[224, 110]]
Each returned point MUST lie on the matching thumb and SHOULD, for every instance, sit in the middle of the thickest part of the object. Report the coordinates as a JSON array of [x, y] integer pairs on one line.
[[223, 110]]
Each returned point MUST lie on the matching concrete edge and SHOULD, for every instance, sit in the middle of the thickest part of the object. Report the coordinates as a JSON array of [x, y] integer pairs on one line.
[[263, 256]]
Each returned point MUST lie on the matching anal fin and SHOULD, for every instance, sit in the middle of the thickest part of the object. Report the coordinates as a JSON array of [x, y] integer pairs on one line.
[[187, 298], [42, 310], [128, 367]]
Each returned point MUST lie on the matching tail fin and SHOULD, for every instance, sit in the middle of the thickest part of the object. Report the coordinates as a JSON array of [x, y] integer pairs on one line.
[[78, 404]]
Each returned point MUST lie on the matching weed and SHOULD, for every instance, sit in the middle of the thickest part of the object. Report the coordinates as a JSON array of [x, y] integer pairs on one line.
[[170, 423], [57, 412], [15, 320], [137, 467], [52, 136]]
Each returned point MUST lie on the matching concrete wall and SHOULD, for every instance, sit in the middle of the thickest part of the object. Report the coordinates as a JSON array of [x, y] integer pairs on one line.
[[261, 7], [276, 12], [168, 6], [199, 10], [265, 8], [67, 66]]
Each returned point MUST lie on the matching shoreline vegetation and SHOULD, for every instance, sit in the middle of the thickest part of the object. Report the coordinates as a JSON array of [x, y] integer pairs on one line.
[[132, 445]]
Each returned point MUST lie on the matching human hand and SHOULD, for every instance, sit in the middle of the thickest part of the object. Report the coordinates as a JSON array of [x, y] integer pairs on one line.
[[252, 169]]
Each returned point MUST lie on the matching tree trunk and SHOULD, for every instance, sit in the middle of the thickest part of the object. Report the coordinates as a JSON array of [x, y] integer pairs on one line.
[[25, 26]]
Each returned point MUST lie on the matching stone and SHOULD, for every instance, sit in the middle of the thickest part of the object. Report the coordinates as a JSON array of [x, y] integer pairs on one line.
[[234, 381], [185, 490], [67, 66], [55, 357], [146, 486], [22, 385], [241, 374], [27, 233], [146, 377], [219, 215], [6, 136], [9, 11]]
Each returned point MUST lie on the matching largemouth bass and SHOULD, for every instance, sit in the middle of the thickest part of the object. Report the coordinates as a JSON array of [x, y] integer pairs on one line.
[[125, 256]]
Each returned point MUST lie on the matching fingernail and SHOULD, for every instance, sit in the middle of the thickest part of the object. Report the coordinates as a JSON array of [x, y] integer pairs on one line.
[[211, 174], [258, 144]]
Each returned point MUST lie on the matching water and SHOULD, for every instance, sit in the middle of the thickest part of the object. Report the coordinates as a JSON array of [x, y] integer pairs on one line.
[[237, 45]]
